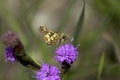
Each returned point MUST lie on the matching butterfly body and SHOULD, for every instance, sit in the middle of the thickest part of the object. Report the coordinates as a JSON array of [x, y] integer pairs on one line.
[[52, 37]]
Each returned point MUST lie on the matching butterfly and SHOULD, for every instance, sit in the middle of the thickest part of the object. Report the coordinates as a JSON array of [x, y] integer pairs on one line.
[[52, 37]]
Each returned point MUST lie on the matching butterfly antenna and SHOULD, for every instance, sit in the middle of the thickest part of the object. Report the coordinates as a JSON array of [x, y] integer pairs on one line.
[[78, 45]]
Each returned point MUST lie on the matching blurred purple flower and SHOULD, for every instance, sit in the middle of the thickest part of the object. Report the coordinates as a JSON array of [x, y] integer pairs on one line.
[[10, 39], [48, 72], [9, 54], [14, 50]]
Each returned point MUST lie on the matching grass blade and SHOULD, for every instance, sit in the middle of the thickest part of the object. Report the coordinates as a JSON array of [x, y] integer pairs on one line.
[[79, 25], [101, 65]]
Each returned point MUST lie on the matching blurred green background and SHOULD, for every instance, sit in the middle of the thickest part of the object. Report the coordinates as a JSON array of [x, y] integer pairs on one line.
[[96, 26]]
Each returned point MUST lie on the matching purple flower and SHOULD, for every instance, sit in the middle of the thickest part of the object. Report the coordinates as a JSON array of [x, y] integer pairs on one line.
[[48, 72], [66, 54], [9, 54], [10, 40]]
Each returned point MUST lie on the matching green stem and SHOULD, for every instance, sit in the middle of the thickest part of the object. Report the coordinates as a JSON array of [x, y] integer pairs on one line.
[[64, 76]]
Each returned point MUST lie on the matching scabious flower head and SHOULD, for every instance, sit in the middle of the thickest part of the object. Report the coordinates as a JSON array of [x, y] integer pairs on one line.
[[66, 54], [48, 72]]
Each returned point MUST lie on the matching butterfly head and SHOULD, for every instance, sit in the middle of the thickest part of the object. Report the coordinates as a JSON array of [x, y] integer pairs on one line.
[[43, 30], [64, 37]]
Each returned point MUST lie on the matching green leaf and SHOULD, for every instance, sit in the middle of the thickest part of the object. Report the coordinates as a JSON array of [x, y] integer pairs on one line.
[[79, 25], [101, 65]]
